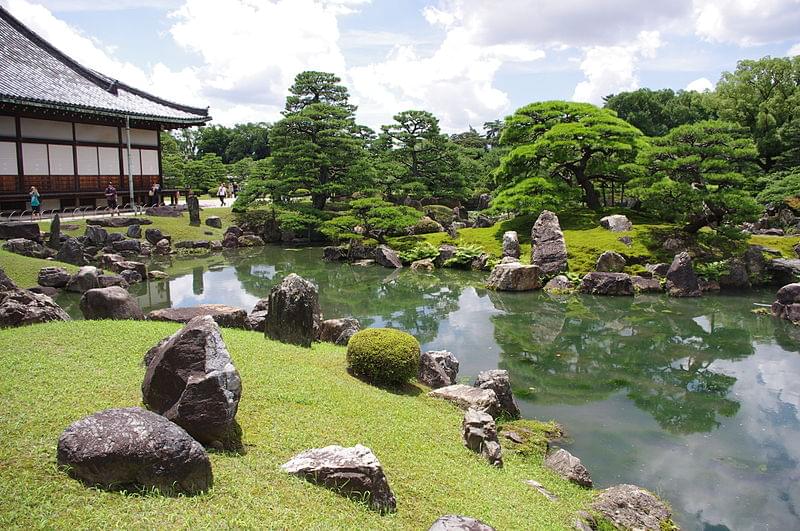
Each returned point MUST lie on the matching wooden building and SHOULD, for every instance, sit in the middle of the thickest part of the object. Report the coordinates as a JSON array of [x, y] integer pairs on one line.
[[65, 128]]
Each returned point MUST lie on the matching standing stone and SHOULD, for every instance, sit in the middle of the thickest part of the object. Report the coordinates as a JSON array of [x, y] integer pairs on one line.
[[55, 233], [193, 203], [110, 303], [616, 223], [133, 448], [681, 279], [514, 277], [479, 434], [294, 314], [338, 331], [569, 467], [549, 249], [632, 507], [498, 381], [483, 201], [610, 262], [19, 307], [455, 522], [511, 244], [134, 231], [353, 472], [85, 279], [596, 283], [191, 380], [437, 368]]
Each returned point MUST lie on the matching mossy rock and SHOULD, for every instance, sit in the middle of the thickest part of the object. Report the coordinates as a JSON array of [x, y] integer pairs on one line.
[[440, 213], [383, 356], [529, 438]]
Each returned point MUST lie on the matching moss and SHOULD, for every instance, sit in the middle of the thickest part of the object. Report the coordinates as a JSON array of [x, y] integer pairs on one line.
[[24, 270], [533, 434], [383, 356], [784, 244]]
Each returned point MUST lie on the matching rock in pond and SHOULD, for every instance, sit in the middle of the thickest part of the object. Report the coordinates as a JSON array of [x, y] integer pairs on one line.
[[616, 223], [610, 262], [387, 257], [437, 368], [596, 283], [112, 302], [338, 331], [498, 381], [53, 277], [784, 270], [479, 434], [87, 277], [191, 380], [133, 448], [250, 240], [354, 472], [465, 397], [787, 304], [225, 316], [511, 244], [19, 307], [559, 284], [681, 279], [549, 250], [646, 285], [514, 277], [454, 522], [632, 507], [426, 265], [294, 314], [569, 467]]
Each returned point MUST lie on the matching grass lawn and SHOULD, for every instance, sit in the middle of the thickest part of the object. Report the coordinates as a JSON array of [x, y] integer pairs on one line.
[[178, 228], [784, 244], [293, 399], [24, 270]]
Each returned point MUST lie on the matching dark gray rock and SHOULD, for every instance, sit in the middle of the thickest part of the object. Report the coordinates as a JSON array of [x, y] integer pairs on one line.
[[387, 257], [646, 285], [155, 235], [108, 280], [110, 303], [129, 246], [214, 221], [465, 397], [483, 201], [559, 284], [569, 467], [19, 307], [236, 231], [30, 248], [514, 277], [131, 276], [132, 448], [616, 223], [511, 244], [6, 284], [454, 522], [134, 231], [787, 305], [736, 277], [114, 237], [610, 262], [54, 242], [335, 253], [549, 249], [10, 230], [230, 241], [460, 213], [681, 279], [225, 316], [193, 205], [789, 294], [632, 507], [596, 283], [707, 285], [46, 290], [186, 244], [95, 235], [353, 472], [85, 279], [191, 380], [479, 434], [446, 252], [163, 247], [163, 211], [498, 381], [482, 222], [658, 270], [294, 314], [783, 270], [71, 252], [108, 260], [437, 368], [256, 320], [338, 331]]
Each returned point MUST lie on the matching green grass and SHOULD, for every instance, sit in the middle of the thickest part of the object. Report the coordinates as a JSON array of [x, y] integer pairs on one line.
[[24, 270], [293, 399], [178, 228]]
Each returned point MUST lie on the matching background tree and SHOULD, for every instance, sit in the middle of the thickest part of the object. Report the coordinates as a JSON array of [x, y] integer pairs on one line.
[[250, 140], [655, 112], [699, 174], [376, 217]]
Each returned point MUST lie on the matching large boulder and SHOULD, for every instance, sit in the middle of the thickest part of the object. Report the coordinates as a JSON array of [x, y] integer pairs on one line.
[[437, 368], [294, 314], [784, 270], [596, 283], [616, 223], [787, 303], [681, 279], [465, 397], [479, 434], [569, 467], [85, 279], [164, 211], [549, 250], [338, 331], [610, 262], [223, 315], [10, 230], [354, 472], [113, 302], [127, 246], [387, 257], [736, 277], [71, 252], [19, 307], [514, 277], [28, 248], [155, 235], [498, 381], [214, 222], [191, 380], [455, 522], [95, 235], [632, 507], [511, 244], [132, 448], [483, 202]]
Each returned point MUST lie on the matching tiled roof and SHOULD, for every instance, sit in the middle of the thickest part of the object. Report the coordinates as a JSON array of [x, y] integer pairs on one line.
[[33, 72]]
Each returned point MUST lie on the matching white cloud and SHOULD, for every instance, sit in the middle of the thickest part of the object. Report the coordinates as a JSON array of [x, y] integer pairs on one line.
[[794, 50], [747, 22], [701, 84]]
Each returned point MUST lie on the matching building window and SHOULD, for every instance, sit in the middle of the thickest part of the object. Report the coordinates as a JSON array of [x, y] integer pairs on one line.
[[61, 162], [144, 137], [96, 133], [135, 159], [8, 158], [108, 159], [88, 163], [34, 159], [149, 162], [45, 129]]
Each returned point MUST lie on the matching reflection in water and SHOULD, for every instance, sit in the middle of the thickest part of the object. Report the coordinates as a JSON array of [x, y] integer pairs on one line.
[[695, 399]]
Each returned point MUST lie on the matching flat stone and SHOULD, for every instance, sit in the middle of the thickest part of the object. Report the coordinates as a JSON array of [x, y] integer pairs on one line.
[[119, 221], [225, 316], [53, 277], [465, 397], [454, 522], [541, 489], [632, 507], [20, 229], [437, 368], [163, 211], [250, 240], [569, 467], [424, 265]]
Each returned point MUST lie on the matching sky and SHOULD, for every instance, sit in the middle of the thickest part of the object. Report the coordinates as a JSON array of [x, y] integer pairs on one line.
[[466, 61]]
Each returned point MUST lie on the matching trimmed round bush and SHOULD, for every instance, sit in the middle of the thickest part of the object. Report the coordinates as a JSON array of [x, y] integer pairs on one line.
[[383, 356]]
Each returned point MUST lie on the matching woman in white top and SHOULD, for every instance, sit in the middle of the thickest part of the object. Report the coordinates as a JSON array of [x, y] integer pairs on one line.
[[221, 193]]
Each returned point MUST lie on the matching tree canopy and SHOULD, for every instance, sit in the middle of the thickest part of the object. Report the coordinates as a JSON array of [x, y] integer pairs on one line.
[[655, 112]]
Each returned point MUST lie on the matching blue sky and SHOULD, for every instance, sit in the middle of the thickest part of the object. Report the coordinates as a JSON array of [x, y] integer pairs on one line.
[[467, 61]]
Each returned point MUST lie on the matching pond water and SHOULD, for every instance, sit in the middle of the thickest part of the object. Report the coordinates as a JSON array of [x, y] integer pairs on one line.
[[696, 400]]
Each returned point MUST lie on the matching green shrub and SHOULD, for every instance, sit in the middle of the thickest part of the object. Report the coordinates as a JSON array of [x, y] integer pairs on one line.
[[383, 355], [440, 213], [419, 252], [464, 255]]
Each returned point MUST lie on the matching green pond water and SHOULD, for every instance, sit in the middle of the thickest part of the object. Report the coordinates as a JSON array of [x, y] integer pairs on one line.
[[696, 400]]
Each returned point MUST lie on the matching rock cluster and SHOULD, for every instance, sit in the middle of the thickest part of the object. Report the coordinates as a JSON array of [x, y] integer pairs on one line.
[[787, 303], [479, 433]]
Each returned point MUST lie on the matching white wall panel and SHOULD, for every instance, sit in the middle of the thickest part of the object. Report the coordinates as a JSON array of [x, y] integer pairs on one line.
[[34, 159], [87, 161], [45, 129], [61, 162], [8, 158], [109, 160], [135, 158], [144, 137], [149, 162], [96, 133]]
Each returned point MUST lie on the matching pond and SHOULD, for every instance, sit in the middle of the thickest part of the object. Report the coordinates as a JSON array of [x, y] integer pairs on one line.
[[696, 400]]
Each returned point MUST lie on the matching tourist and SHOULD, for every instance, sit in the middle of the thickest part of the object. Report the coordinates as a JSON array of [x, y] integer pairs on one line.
[[152, 194], [157, 190], [221, 193], [235, 189], [36, 205], [111, 198]]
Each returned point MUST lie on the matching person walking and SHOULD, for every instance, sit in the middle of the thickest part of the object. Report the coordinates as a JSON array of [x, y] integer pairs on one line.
[[111, 198], [36, 204], [221, 193], [235, 188]]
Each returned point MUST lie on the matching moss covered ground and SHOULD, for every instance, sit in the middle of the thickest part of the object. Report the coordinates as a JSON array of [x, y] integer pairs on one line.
[[293, 399], [24, 270]]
